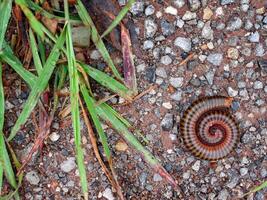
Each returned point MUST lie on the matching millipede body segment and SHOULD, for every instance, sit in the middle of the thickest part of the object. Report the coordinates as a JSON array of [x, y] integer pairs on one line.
[[208, 129]]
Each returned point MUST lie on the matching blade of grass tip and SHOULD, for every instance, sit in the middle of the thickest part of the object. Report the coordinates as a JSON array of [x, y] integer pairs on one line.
[[103, 112], [1, 177], [256, 189], [40, 85], [34, 48], [107, 81], [118, 18], [128, 62], [96, 38], [90, 106], [5, 13], [74, 98], [7, 56], [35, 24], [2, 116]]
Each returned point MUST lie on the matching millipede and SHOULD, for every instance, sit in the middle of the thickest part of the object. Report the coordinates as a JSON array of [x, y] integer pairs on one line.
[[208, 129]]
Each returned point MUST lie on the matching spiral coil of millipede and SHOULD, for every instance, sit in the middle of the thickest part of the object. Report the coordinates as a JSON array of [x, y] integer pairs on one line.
[[208, 129]]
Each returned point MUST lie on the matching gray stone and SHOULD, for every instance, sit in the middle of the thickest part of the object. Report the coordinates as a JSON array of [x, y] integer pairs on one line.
[[32, 177], [227, 2], [166, 60], [167, 28], [223, 195], [246, 51], [179, 23], [254, 37], [149, 10], [220, 26], [258, 85], [194, 4], [183, 43], [248, 25], [167, 122], [150, 28], [241, 84], [107, 193], [233, 181], [189, 16], [137, 8], [192, 64], [234, 24], [233, 41], [196, 166], [148, 44], [141, 67], [263, 172], [195, 82], [95, 55], [264, 21], [210, 76], [215, 58], [150, 74], [265, 89], [263, 65], [161, 72], [259, 50], [157, 178], [231, 92], [177, 81], [186, 175], [243, 171], [177, 96], [207, 32], [179, 3], [68, 165], [142, 178]]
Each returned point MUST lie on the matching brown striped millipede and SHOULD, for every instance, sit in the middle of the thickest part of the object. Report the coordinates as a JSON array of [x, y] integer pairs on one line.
[[208, 129]]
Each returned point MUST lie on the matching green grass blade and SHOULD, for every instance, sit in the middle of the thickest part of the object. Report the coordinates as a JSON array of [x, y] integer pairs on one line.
[[5, 12], [258, 188], [8, 56], [118, 18], [35, 55], [91, 108], [74, 98], [107, 81], [1, 177], [41, 48], [35, 24], [40, 85], [96, 38]]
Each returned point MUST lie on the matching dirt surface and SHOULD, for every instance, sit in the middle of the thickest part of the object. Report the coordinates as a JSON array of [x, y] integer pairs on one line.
[[229, 48]]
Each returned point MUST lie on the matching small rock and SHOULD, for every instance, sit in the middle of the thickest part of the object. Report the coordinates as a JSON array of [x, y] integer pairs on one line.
[[207, 13], [263, 65], [183, 43], [167, 122], [209, 76], [95, 55], [259, 50], [142, 178], [192, 64], [167, 28], [141, 67], [161, 72], [176, 82], [233, 182], [157, 178], [179, 3], [248, 25], [233, 41], [196, 166], [207, 32], [54, 136], [234, 24], [189, 16], [148, 44], [195, 82], [166, 60], [246, 51], [177, 96], [232, 53], [254, 37], [68, 165], [150, 27], [186, 175], [108, 194], [258, 85], [149, 10], [32, 177], [179, 23], [243, 171], [171, 10], [227, 2], [150, 74], [244, 7], [215, 58], [194, 5], [137, 8], [121, 146], [232, 92], [167, 105], [223, 195], [219, 11]]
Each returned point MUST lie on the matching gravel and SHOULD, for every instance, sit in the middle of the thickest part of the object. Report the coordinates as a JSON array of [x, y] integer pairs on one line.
[[166, 60], [189, 16], [215, 58], [68, 165], [234, 24], [167, 122], [150, 10], [32, 177], [254, 37], [207, 32], [150, 28], [171, 10], [148, 44], [183, 43], [176, 82], [157, 178]]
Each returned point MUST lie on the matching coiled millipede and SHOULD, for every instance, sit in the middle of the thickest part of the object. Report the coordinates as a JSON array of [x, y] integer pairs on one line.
[[208, 129]]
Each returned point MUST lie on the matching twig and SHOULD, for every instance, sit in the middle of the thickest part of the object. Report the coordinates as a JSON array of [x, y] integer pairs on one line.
[[187, 59]]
